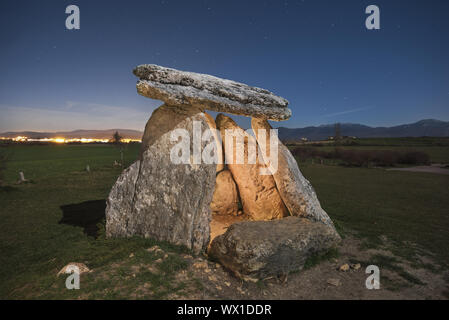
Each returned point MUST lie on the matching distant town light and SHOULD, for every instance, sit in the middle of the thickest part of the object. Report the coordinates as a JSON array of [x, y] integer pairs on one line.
[[64, 140]]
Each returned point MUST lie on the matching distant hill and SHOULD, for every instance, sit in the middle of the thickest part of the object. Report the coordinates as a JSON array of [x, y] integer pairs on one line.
[[98, 134], [429, 128]]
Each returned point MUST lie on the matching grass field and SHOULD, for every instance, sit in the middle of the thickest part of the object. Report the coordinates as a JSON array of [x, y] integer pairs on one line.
[[437, 154], [410, 209], [404, 142], [436, 148]]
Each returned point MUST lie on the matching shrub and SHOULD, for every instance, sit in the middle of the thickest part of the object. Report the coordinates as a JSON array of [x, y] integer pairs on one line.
[[414, 157], [359, 158]]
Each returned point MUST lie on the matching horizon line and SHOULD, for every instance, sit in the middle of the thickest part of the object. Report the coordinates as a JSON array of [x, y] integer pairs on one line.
[[117, 129]]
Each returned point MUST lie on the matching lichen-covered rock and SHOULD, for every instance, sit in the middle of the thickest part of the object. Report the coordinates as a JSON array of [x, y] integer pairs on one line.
[[226, 198], [295, 190], [258, 193], [159, 199], [219, 147], [120, 202], [71, 267], [260, 249], [176, 87]]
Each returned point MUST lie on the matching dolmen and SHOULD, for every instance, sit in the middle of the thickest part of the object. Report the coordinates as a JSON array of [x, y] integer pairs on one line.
[[194, 172]]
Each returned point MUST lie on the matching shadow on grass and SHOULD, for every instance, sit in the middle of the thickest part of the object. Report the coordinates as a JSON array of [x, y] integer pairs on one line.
[[8, 189], [86, 214]]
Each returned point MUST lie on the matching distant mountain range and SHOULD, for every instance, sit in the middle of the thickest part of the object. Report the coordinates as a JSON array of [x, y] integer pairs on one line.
[[98, 134], [429, 127]]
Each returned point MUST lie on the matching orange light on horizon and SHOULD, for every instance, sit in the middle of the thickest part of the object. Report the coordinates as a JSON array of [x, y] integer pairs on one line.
[[66, 140], [20, 138]]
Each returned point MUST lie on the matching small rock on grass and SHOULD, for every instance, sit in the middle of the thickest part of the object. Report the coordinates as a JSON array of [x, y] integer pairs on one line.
[[212, 278], [200, 265], [155, 249], [334, 282], [355, 266], [81, 267], [344, 267], [240, 290], [152, 269]]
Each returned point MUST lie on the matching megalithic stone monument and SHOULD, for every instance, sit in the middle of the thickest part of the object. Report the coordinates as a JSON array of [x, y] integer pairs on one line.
[[159, 199]]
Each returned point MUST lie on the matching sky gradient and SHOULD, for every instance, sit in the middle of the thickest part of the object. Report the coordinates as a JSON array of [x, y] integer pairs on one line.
[[316, 54]]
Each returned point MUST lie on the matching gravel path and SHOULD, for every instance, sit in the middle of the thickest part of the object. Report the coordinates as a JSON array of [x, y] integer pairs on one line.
[[434, 168]]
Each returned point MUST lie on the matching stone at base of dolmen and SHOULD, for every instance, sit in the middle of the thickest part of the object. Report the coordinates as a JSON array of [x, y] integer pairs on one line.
[[295, 190], [261, 249]]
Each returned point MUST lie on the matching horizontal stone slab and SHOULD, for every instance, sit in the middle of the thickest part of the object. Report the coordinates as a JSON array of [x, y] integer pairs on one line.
[[183, 88]]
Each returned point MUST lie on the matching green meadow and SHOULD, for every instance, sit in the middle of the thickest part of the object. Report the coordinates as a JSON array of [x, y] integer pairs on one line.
[[37, 238]]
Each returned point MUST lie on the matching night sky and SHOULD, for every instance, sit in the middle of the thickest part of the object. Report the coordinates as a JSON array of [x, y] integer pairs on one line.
[[316, 54]]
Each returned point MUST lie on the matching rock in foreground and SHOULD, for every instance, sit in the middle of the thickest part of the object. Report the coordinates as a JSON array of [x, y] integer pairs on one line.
[[260, 249], [180, 88]]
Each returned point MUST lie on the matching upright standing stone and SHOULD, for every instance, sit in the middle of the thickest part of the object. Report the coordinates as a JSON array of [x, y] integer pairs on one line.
[[169, 202], [258, 193], [226, 198], [219, 146], [22, 178], [295, 190]]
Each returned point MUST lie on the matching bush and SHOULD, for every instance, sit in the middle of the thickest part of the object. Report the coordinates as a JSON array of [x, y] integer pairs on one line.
[[364, 158], [414, 157], [355, 158]]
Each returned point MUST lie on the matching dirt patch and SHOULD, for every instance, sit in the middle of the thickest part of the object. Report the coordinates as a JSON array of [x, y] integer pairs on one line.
[[155, 273], [435, 168], [325, 280]]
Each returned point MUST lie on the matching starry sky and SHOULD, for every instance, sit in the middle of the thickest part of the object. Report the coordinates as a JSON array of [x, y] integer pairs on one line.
[[317, 54]]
